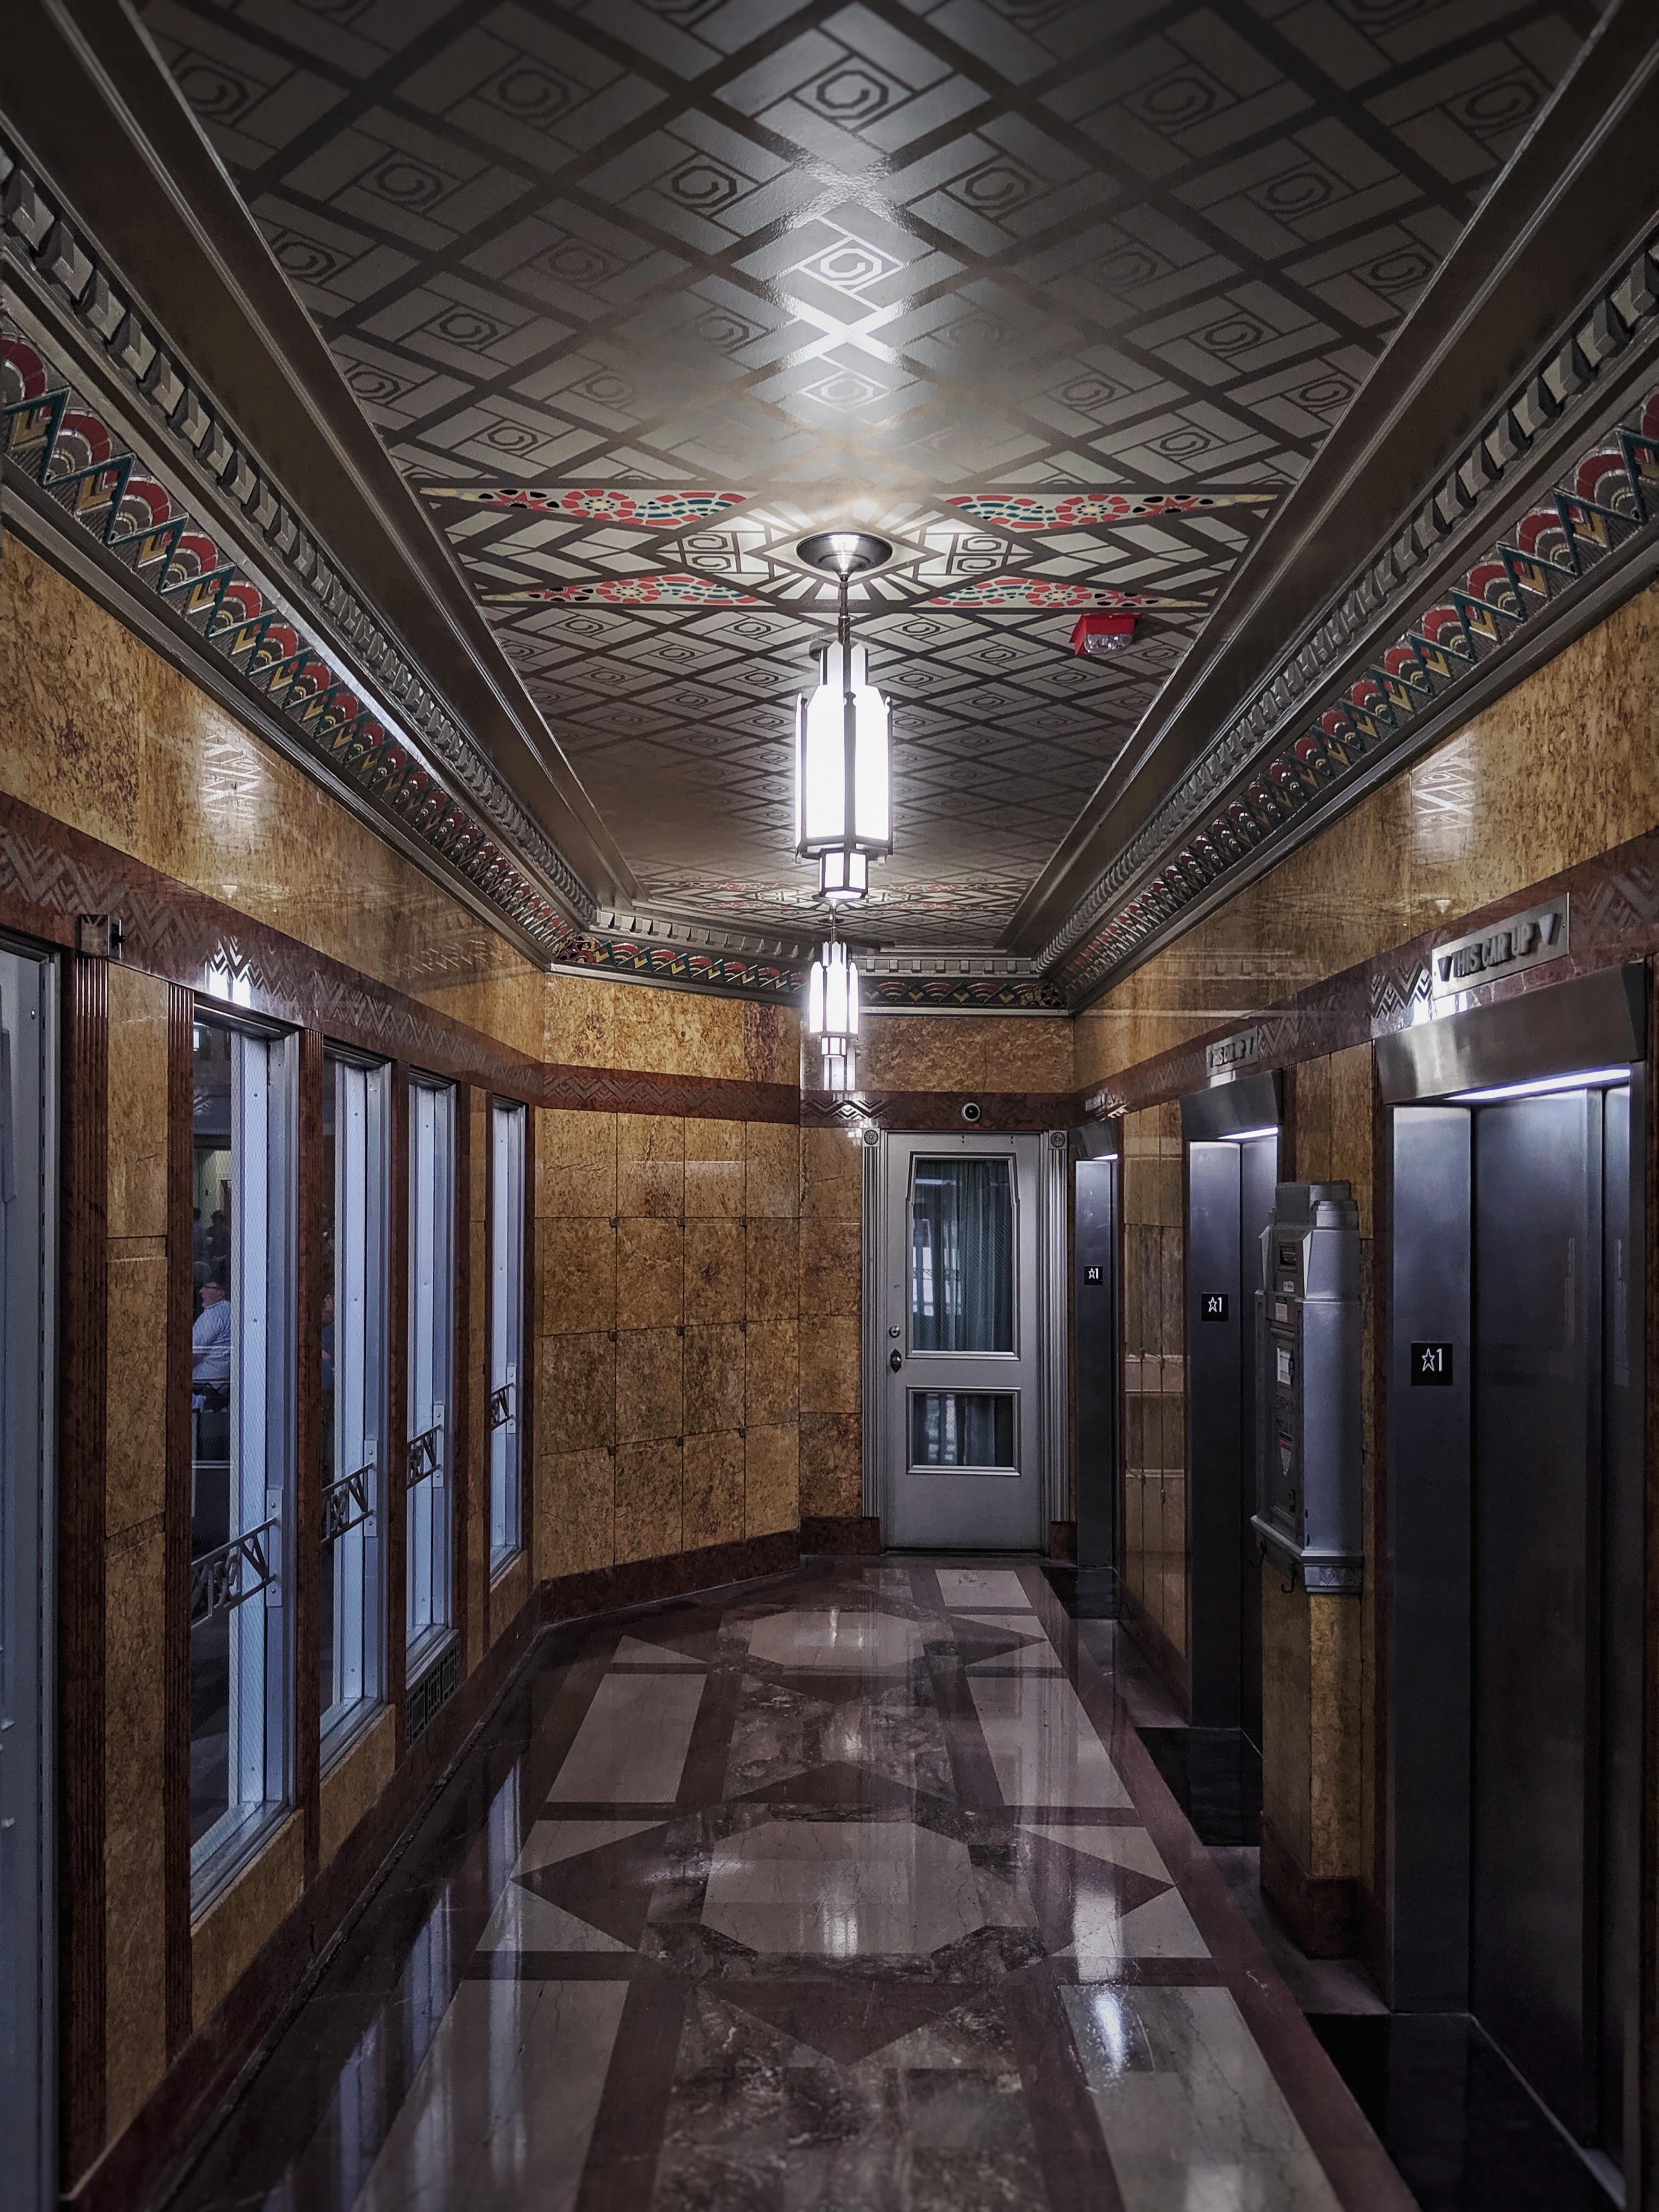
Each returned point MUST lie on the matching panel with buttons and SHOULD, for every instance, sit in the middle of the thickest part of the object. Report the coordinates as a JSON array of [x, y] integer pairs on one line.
[[1308, 1421]]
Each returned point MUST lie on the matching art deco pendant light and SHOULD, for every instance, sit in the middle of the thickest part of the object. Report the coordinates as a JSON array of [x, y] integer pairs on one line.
[[832, 1013], [843, 812]]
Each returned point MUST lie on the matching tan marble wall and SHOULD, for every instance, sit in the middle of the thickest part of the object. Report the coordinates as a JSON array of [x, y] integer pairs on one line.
[[1154, 1561], [1319, 1653], [231, 1933], [135, 1528], [968, 1053], [1555, 772], [352, 1786], [831, 1306], [666, 1321]]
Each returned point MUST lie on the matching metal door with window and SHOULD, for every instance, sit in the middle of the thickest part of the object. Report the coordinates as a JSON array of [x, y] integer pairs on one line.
[[962, 1421]]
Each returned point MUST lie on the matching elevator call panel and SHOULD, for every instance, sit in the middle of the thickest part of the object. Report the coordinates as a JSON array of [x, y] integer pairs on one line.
[[1308, 1393]]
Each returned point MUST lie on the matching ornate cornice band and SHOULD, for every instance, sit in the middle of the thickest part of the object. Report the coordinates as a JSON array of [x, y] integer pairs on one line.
[[408, 753], [1425, 646]]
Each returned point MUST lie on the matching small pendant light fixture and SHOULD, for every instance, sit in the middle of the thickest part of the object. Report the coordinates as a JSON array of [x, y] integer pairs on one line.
[[832, 1012], [844, 810]]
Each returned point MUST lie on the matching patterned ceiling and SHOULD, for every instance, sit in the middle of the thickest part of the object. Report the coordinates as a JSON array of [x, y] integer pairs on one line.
[[931, 267]]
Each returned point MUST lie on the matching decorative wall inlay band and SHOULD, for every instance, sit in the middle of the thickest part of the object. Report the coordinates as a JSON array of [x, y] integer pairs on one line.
[[696, 965], [1542, 933], [51, 874], [1001, 1112], [1615, 901], [48, 254], [1284, 757]]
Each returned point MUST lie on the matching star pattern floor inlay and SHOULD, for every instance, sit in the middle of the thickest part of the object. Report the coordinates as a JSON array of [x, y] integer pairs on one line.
[[852, 1889]]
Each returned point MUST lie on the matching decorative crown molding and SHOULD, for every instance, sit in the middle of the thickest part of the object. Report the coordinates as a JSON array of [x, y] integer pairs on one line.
[[413, 755], [1426, 643]]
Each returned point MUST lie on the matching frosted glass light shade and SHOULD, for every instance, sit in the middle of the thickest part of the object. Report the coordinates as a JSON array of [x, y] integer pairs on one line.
[[832, 995], [841, 1067], [842, 796], [843, 875]]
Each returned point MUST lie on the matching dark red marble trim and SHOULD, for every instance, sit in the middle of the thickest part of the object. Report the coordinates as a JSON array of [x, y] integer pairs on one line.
[[140, 2158], [1647, 1974], [639, 1582], [50, 874], [841, 1535], [1062, 1540], [1615, 918], [83, 1340], [1321, 1910], [1001, 1112], [178, 1964]]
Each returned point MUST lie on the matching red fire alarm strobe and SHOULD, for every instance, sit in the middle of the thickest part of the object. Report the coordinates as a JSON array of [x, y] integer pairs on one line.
[[1099, 634]]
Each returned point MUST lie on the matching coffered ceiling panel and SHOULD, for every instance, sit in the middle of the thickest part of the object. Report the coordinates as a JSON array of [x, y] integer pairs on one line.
[[1057, 298]]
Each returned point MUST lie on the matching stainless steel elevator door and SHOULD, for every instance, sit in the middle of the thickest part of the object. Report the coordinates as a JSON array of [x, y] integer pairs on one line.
[[1230, 1186], [1537, 1577], [959, 1341]]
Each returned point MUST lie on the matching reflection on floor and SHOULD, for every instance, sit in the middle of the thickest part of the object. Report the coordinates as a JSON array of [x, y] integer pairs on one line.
[[856, 1888]]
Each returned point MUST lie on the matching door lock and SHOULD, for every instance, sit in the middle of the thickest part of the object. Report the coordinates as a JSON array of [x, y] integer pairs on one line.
[[895, 1360]]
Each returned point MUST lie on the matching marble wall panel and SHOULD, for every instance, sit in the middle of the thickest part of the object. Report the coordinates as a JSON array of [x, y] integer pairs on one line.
[[576, 1392], [575, 1163], [771, 1480], [831, 1358], [649, 1483], [771, 1374], [772, 1170], [137, 1194], [713, 1373], [577, 1262], [352, 1786], [135, 1461], [650, 1272], [712, 1496], [134, 1837], [651, 1165], [831, 1266], [714, 1269], [831, 1175], [225, 1941], [1286, 1714], [771, 1269], [831, 1464], [650, 1403], [575, 1512]]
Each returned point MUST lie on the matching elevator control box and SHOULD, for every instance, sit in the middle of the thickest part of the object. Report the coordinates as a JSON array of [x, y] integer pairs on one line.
[[1308, 1343]]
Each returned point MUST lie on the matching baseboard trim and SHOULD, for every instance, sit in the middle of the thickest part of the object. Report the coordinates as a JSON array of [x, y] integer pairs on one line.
[[641, 1582], [841, 1535], [1321, 1910], [1167, 1662]]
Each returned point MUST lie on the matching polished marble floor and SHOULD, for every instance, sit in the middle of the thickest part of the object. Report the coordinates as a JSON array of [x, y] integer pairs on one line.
[[853, 1888]]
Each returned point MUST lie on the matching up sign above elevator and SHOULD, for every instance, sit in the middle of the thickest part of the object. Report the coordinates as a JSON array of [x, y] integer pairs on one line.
[[1522, 941]]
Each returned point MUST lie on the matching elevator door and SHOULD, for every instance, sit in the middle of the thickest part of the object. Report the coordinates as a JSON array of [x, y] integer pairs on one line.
[[1537, 1829], [1230, 1185], [959, 1341]]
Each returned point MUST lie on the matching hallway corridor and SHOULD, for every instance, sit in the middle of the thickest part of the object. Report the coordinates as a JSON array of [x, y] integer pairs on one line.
[[854, 1888]]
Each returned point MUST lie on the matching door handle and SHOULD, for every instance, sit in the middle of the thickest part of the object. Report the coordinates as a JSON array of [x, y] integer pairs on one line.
[[895, 1360]]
